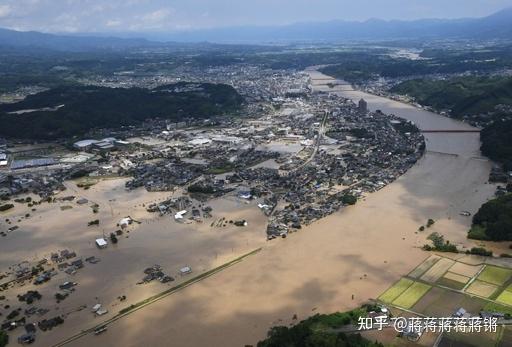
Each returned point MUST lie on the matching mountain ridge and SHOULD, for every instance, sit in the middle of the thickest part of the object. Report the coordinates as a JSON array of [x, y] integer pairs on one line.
[[494, 26]]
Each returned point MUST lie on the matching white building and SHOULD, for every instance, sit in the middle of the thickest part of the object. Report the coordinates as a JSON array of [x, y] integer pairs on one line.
[[179, 215], [84, 144], [200, 142], [3, 159], [227, 139]]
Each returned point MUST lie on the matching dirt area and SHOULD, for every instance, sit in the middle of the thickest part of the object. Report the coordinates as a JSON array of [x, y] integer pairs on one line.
[[456, 277], [437, 270], [481, 288], [465, 269]]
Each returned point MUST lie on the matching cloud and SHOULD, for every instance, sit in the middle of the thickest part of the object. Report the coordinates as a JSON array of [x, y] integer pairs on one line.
[[113, 23], [134, 2], [66, 22], [5, 11], [158, 15], [155, 20]]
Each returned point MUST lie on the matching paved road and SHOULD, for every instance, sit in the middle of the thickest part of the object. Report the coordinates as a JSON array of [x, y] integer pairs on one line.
[[321, 131]]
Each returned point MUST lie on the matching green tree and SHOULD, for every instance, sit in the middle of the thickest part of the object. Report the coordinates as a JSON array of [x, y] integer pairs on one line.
[[4, 338], [316, 331], [348, 199], [495, 219]]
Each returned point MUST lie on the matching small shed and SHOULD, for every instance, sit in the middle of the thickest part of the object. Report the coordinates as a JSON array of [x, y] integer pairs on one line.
[[460, 313], [245, 195], [180, 214], [185, 270], [101, 311], [101, 243]]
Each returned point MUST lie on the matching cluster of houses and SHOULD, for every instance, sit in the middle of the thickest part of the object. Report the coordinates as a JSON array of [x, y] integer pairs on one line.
[[183, 209], [156, 273], [39, 272], [314, 161]]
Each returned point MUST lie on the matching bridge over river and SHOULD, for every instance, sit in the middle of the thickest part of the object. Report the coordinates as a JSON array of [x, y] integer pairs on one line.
[[451, 131]]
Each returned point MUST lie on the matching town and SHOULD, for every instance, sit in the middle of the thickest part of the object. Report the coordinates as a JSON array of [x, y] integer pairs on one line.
[[296, 155]]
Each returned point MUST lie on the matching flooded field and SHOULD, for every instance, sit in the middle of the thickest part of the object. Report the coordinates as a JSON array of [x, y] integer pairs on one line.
[[156, 240]]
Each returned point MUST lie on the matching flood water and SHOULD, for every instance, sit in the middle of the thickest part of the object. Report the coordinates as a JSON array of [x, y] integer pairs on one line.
[[334, 264]]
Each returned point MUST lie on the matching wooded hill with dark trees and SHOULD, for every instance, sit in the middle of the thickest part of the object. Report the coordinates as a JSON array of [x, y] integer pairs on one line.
[[68, 111], [462, 95], [497, 142], [494, 220]]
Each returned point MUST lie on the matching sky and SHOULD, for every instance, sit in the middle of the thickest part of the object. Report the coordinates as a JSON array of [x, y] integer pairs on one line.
[[176, 15]]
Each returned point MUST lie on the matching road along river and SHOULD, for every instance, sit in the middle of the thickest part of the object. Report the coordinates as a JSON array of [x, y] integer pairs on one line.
[[334, 264]]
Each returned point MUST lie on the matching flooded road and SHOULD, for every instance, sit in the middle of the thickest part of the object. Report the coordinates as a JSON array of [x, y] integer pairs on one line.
[[334, 264]]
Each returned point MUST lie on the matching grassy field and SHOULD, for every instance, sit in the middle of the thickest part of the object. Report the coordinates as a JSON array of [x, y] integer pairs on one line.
[[398, 288], [411, 295], [496, 307], [495, 275], [505, 297]]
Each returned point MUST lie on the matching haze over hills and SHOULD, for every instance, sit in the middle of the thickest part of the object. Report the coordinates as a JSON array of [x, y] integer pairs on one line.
[[495, 26], [34, 39]]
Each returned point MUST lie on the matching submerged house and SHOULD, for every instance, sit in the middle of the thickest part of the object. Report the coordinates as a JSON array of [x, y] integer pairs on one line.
[[101, 243]]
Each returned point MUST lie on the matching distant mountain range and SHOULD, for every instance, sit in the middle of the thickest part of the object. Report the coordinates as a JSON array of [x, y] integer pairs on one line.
[[495, 26], [34, 39]]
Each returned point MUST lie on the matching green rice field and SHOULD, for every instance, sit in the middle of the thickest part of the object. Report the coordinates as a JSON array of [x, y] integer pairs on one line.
[[411, 295], [506, 296], [398, 288], [495, 275]]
